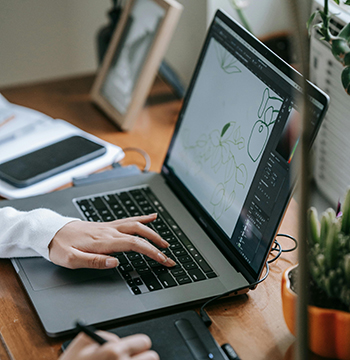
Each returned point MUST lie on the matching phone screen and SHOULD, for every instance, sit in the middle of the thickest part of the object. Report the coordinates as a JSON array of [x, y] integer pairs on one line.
[[50, 160]]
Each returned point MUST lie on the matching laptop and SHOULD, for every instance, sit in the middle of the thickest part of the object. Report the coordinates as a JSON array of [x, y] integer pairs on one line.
[[222, 192]]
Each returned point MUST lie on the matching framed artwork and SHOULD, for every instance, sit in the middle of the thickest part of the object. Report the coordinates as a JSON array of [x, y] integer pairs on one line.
[[133, 57]]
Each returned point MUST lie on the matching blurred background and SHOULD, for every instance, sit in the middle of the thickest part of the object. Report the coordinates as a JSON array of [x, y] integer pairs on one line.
[[47, 39]]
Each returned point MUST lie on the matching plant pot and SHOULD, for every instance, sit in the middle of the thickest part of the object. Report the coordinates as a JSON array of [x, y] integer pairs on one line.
[[329, 330]]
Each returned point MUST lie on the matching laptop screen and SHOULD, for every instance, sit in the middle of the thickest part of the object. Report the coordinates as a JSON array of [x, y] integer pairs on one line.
[[235, 139]]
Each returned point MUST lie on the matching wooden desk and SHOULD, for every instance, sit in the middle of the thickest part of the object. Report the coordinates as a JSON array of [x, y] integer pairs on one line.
[[253, 324]]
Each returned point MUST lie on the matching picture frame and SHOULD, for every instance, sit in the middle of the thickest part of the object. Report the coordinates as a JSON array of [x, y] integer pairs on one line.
[[133, 58]]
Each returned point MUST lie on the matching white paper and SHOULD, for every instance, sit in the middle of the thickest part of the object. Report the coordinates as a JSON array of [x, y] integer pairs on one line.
[[23, 130]]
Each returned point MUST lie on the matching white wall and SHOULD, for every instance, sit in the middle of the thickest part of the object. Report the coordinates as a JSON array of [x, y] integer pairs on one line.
[[188, 38], [264, 16], [43, 39]]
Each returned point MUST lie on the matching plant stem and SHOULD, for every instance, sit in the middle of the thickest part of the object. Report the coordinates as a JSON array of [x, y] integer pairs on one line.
[[326, 21], [241, 15]]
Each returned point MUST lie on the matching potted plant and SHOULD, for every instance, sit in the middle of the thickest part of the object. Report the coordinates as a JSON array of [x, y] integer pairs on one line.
[[339, 44], [329, 259]]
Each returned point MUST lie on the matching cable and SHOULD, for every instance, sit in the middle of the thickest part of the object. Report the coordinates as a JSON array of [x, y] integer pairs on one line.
[[292, 238], [144, 154], [279, 249]]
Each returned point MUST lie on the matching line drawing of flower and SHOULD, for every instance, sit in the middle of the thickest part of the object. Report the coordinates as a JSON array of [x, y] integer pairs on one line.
[[267, 114], [226, 60], [218, 148]]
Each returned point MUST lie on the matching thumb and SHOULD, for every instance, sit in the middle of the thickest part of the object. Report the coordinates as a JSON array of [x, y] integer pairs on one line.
[[95, 261]]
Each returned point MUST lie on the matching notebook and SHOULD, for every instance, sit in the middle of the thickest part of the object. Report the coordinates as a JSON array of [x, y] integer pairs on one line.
[[222, 192]]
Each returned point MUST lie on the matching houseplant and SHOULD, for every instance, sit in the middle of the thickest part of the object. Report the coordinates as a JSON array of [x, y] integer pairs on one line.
[[329, 259], [340, 44]]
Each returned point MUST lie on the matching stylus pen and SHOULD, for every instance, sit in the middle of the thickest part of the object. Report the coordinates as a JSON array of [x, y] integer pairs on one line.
[[90, 332]]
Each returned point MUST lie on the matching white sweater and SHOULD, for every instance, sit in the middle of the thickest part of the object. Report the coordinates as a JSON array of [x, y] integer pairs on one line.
[[25, 234]]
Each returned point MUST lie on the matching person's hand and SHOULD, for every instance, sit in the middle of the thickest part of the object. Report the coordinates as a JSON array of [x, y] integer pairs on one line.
[[135, 347], [82, 244]]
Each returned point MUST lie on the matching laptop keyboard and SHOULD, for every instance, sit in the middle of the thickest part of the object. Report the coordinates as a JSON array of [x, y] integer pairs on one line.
[[141, 273]]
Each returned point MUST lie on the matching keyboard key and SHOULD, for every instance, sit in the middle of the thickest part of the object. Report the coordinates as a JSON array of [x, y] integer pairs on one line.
[[160, 226], [98, 203], [133, 255], [211, 275], [201, 262], [151, 282], [166, 280], [138, 281], [170, 239], [126, 276], [190, 266], [138, 263], [125, 268], [183, 280], [180, 252], [115, 206], [164, 233], [120, 214], [178, 272], [147, 210], [204, 265], [185, 259], [136, 290], [160, 270], [175, 245], [130, 282], [110, 199], [166, 252], [196, 275], [121, 258], [153, 264], [107, 218], [143, 270]]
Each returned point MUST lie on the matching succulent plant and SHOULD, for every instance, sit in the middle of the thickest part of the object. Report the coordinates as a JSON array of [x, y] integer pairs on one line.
[[329, 242]]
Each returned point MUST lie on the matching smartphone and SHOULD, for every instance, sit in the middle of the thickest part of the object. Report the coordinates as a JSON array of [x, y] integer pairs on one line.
[[53, 159]]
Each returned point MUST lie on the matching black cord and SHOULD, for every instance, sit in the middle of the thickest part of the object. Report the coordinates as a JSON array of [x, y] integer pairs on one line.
[[292, 238], [279, 249], [205, 317]]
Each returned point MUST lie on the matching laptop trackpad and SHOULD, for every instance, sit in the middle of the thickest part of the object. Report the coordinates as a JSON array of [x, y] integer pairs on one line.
[[43, 274]]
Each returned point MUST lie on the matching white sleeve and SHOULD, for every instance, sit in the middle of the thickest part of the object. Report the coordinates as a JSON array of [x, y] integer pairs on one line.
[[25, 234]]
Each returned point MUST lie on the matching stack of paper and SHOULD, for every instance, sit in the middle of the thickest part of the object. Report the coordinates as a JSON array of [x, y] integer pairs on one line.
[[23, 130]]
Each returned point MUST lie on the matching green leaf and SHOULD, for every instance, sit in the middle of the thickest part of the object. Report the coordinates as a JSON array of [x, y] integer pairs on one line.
[[347, 268], [345, 32], [332, 245], [345, 79], [314, 226], [337, 2], [324, 229], [345, 225], [347, 2], [224, 129], [310, 21]]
